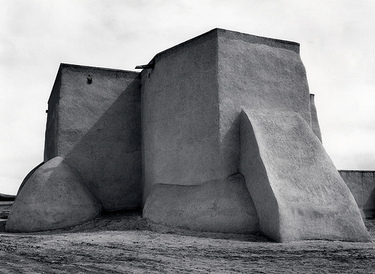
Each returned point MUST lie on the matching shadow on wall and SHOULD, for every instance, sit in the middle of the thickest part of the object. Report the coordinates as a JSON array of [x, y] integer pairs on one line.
[[230, 145], [109, 154], [107, 160]]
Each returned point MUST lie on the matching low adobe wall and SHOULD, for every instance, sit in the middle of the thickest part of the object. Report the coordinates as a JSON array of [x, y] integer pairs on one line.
[[224, 206], [362, 185]]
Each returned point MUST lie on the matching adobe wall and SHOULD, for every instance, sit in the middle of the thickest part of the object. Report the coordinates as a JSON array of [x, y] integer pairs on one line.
[[256, 73], [192, 98], [180, 115], [362, 185], [95, 126], [223, 206], [173, 134]]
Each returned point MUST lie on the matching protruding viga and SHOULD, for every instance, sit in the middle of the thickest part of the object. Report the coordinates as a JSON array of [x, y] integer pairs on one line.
[[55, 196]]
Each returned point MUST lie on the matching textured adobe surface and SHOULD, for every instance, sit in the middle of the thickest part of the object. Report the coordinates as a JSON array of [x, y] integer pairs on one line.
[[192, 98], [224, 206], [180, 116], [296, 189], [55, 196], [95, 126], [362, 185], [256, 73]]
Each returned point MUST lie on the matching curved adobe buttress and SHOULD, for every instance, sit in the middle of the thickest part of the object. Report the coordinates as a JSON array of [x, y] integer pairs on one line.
[[55, 196]]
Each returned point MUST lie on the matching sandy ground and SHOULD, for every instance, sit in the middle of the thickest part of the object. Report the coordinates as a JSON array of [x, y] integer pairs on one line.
[[126, 243]]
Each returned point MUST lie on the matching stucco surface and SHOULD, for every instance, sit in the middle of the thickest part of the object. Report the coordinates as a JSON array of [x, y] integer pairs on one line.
[[362, 185], [192, 98], [295, 187], [224, 206], [55, 196], [96, 127], [180, 116], [256, 73]]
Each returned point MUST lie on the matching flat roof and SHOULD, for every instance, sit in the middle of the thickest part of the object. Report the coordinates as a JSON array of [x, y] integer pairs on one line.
[[65, 65], [232, 35], [130, 73]]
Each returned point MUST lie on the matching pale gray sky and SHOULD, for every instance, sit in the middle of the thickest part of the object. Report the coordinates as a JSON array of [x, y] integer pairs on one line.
[[337, 40]]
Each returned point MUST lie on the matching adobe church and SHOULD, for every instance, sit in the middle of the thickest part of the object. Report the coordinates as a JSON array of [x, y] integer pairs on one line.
[[218, 134]]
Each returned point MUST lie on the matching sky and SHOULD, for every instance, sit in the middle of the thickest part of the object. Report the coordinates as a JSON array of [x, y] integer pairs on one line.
[[337, 39]]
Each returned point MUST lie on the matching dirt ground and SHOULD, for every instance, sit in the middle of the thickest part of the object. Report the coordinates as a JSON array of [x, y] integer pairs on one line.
[[126, 243]]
